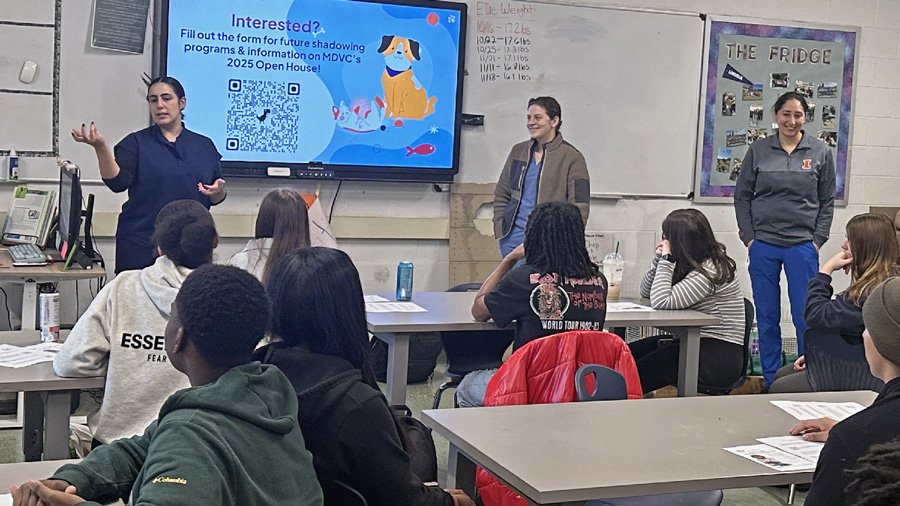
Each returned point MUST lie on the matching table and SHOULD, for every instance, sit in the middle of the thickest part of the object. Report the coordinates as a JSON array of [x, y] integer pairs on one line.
[[20, 472], [573, 452], [45, 431], [451, 311], [31, 276]]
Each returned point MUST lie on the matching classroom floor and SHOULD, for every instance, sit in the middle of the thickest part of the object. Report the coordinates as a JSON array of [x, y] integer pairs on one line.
[[420, 396]]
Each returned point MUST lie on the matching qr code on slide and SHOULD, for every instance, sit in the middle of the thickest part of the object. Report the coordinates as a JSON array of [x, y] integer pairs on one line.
[[263, 116]]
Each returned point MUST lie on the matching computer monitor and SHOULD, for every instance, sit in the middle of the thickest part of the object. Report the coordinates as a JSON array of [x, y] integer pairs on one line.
[[69, 208], [70, 215]]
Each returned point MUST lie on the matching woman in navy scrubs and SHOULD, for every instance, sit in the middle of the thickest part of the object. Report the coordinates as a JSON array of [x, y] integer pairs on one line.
[[157, 165]]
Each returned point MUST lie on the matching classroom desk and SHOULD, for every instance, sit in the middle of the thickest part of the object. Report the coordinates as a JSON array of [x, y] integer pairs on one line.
[[45, 427], [20, 472], [31, 276], [450, 311], [573, 452]]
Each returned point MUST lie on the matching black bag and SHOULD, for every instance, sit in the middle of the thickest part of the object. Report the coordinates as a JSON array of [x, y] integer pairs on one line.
[[418, 443], [424, 349]]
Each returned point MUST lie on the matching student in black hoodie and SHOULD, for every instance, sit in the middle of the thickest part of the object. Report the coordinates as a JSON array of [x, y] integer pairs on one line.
[[847, 441], [319, 324]]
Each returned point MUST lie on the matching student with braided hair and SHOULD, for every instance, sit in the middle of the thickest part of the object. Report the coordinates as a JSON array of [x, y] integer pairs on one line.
[[876, 477], [556, 289]]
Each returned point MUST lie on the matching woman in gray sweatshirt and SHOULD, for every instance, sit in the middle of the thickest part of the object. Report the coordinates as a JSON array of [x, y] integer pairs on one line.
[[784, 202]]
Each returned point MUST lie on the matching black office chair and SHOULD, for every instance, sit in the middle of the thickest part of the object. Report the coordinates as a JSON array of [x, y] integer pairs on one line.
[[834, 365], [468, 351], [749, 313], [339, 493], [610, 385]]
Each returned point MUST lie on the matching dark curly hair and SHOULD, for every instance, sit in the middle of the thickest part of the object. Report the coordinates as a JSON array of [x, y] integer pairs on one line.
[[186, 233], [875, 479], [225, 312], [554, 241]]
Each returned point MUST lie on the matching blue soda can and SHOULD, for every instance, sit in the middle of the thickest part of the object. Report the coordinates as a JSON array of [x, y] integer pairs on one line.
[[404, 280]]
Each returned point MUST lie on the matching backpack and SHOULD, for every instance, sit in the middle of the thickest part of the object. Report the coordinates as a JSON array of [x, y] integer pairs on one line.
[[424, 349], [418, 443]]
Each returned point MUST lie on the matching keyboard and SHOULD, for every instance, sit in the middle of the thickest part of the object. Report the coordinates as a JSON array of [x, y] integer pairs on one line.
[[27, 254]]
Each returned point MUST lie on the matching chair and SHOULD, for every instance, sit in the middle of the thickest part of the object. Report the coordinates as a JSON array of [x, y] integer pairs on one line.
[[468, 351], [337, 492], [833, 364], [542, 372], [609, 385], [749, 313], [706, 498]]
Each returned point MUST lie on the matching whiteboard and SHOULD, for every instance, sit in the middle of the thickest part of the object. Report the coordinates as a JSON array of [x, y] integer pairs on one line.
[[628, 82]]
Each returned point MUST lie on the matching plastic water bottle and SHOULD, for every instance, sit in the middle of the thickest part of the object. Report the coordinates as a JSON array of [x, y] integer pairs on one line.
[[404, 280], [13, 165], [49, 317]]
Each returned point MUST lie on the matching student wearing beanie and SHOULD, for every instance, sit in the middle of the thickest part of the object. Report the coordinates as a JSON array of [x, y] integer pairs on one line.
[[847, 441]]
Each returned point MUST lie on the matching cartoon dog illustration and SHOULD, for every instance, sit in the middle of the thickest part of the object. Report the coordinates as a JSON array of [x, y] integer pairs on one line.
[[404, 95]]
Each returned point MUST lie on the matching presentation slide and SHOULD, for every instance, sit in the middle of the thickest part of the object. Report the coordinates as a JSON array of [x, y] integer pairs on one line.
[[329, 82]]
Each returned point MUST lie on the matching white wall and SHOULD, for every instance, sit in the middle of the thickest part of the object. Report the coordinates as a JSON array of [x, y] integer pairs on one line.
[[875, 178]]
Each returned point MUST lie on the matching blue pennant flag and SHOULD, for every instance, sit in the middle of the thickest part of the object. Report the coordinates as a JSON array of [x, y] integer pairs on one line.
[[734, 75]]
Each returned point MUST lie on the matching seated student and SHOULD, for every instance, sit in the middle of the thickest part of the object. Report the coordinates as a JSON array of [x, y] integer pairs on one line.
[[319, 323], [692, 271], [847, 441], [870, 254], [282, 225], [121, 333], [205, 448], [557, 289]]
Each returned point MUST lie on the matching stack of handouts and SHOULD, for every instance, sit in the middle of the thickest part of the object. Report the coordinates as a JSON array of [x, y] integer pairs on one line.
[[15, 356], [792, 453], [378, 304]]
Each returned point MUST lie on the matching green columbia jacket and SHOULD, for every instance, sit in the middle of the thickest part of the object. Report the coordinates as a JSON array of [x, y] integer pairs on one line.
[[231, 442]]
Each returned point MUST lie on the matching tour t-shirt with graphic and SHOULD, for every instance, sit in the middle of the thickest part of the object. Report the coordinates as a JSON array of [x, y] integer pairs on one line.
[[545, 304]]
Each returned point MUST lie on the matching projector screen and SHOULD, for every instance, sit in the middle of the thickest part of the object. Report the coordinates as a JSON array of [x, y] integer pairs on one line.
[[322, 88]]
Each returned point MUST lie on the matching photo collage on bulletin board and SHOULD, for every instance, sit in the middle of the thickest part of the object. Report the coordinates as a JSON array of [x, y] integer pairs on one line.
[[747, 67]]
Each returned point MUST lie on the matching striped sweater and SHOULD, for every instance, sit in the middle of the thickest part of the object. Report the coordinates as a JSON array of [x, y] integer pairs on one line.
[[696, 292]]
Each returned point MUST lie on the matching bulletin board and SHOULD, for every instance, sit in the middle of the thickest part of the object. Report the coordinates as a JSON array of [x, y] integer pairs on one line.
[[748, 64]]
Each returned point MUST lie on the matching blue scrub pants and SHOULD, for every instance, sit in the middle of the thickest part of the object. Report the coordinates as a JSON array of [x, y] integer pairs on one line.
[[800, 264]]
